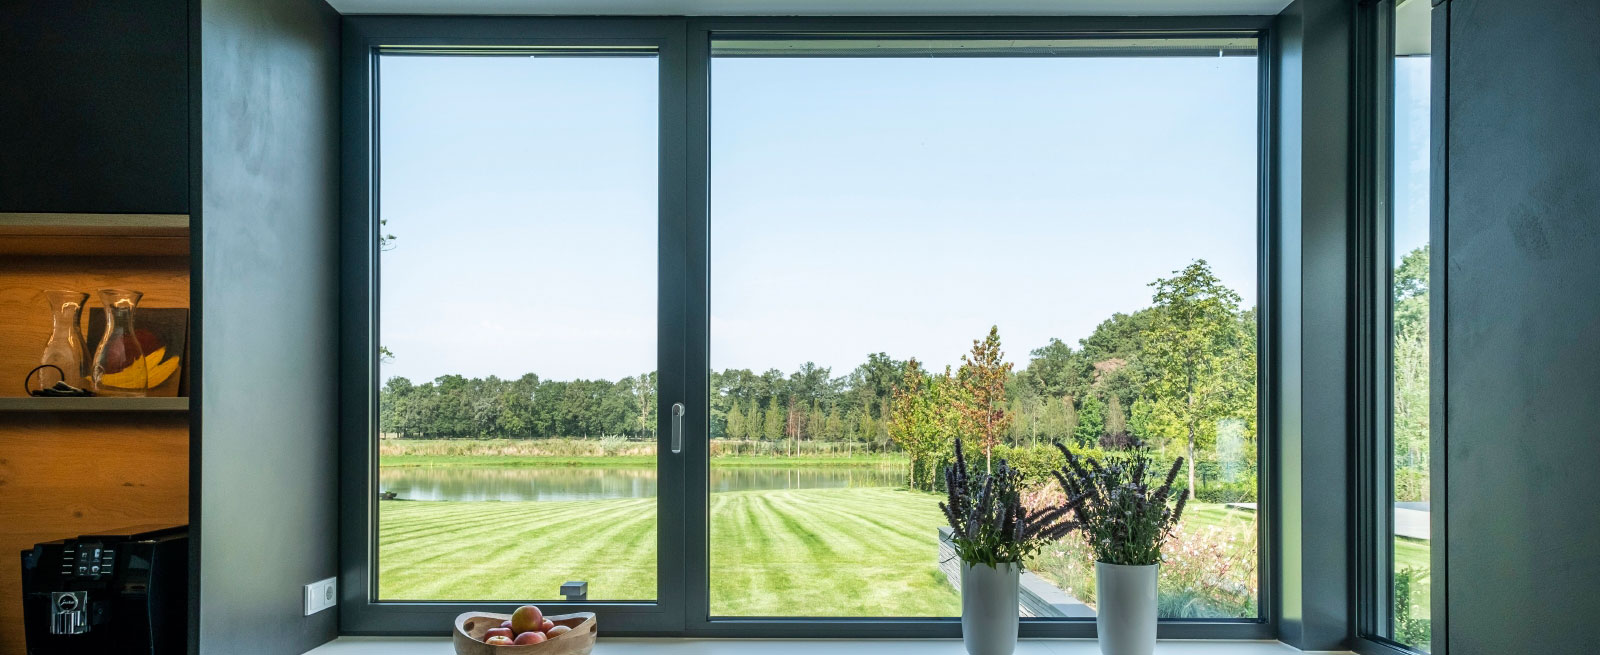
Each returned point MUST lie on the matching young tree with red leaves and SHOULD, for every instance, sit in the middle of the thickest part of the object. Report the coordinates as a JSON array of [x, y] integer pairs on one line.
[[982, 404]]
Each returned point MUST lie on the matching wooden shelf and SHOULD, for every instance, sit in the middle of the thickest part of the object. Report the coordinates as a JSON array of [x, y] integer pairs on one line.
[[142, 235], [106, 404]]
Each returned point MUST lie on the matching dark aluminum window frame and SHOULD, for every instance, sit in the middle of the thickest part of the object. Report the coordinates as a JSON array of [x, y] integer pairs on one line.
[[683, 46], [1372, 572], [360, 612]]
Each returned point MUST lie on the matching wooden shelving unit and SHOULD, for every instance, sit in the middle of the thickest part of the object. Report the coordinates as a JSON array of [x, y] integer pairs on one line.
[[138, 235], [97, 405]]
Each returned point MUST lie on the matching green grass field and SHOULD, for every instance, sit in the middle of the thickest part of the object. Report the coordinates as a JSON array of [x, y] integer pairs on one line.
[[866, 552], [1413, 553]]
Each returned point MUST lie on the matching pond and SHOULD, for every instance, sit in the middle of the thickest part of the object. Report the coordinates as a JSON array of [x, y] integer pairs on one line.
[[582, 483]]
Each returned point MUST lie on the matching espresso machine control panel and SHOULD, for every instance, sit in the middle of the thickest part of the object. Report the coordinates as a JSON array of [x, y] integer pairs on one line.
[[91, 560], [124, 591]]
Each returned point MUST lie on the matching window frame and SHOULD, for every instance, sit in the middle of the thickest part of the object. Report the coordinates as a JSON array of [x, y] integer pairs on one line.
[[1372, 572], [682, 607], [360, 612]]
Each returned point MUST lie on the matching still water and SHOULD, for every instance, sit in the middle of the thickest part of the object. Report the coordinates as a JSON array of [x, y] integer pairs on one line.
[[599, 483]]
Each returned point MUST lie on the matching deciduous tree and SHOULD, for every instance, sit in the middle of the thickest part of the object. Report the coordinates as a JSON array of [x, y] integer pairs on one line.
[[982, 401], [1192, 345], [919, 420]]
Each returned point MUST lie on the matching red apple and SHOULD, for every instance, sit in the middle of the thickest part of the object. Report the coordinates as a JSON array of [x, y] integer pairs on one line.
[[148, 341], [499, 641], [557, 631], [526, 619], [545, 627], [498, 632], [530, 638], [505, 624]]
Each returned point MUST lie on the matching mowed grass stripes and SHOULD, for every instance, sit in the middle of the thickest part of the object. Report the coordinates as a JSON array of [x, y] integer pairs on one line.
[[516, 550], [841, 552], [827, 552]]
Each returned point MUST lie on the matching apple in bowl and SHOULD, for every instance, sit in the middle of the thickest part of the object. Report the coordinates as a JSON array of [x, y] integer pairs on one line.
[[531, 632]]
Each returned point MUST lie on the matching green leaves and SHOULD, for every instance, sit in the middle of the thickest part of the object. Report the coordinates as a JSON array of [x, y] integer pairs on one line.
[[1201, 356], [921, 419], [1123, 516], [1091, 422], [982, 401]]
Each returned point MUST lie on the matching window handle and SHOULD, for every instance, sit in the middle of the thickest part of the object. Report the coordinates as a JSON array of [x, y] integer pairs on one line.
[[677, 428]]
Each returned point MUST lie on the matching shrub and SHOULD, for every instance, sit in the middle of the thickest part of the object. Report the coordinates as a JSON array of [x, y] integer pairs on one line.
[[1227, 492], [1410, 485], [1410, 630], [1206, 572], [1120, 441], [1038, 464]]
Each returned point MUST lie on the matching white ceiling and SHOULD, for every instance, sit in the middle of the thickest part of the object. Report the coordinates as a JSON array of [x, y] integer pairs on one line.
[[1413, 28], [815, 7]]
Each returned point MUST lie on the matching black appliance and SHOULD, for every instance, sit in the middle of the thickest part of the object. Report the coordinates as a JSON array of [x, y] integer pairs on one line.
[[122, 591]]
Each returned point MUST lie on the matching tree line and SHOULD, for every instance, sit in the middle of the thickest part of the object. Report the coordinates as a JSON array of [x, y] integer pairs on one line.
[[1179, 375]]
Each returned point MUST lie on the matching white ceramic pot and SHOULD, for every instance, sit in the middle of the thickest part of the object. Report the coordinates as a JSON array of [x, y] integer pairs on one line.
[[989, 608], [1125, 608]]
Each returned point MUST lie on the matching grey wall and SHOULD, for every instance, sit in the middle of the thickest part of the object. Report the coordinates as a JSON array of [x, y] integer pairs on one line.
[[268, 523], [1311, 208], [1522, 325]]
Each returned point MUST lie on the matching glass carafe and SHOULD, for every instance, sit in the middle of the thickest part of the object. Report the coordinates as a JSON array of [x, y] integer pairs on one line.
[[119, 366], [65, 350]]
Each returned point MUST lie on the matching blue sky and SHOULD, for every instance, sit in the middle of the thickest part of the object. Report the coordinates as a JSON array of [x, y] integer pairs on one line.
[[858, 205], [1411, 136]]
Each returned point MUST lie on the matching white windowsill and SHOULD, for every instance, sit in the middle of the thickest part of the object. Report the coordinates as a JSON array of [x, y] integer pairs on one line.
[[441, 646]]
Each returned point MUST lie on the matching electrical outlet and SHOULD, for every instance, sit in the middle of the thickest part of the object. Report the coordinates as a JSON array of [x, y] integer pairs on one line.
[[321, 595]]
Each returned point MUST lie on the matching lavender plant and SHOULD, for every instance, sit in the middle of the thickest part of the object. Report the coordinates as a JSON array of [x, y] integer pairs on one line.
[[986, 515], [1121, 517]]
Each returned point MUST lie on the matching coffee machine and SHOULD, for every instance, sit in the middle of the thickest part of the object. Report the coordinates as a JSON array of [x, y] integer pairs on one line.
[[121, 591]]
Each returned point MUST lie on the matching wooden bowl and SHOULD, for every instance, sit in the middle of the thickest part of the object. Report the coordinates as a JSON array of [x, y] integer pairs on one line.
[[578, 641]]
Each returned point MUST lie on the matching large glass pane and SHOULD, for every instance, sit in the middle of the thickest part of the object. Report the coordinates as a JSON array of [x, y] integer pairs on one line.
[[517, 327], [892, 223], [1409, 328]]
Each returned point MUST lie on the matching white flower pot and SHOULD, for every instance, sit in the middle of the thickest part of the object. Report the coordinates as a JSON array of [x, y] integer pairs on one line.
[[989, 608], [1125, 608]]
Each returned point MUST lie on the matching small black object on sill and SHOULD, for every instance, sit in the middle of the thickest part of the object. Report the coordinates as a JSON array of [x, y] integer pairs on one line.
[[58, 390]]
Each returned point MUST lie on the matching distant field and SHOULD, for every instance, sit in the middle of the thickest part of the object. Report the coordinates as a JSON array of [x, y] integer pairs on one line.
[[632, 461], [600, 453], [791, 552]]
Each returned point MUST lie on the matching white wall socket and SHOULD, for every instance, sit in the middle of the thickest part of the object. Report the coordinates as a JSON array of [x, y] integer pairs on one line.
[[321, 595]]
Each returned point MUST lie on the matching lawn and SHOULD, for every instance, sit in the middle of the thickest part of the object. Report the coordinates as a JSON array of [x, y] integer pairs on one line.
[[866, 552], [861, 551], [1414, 554]]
